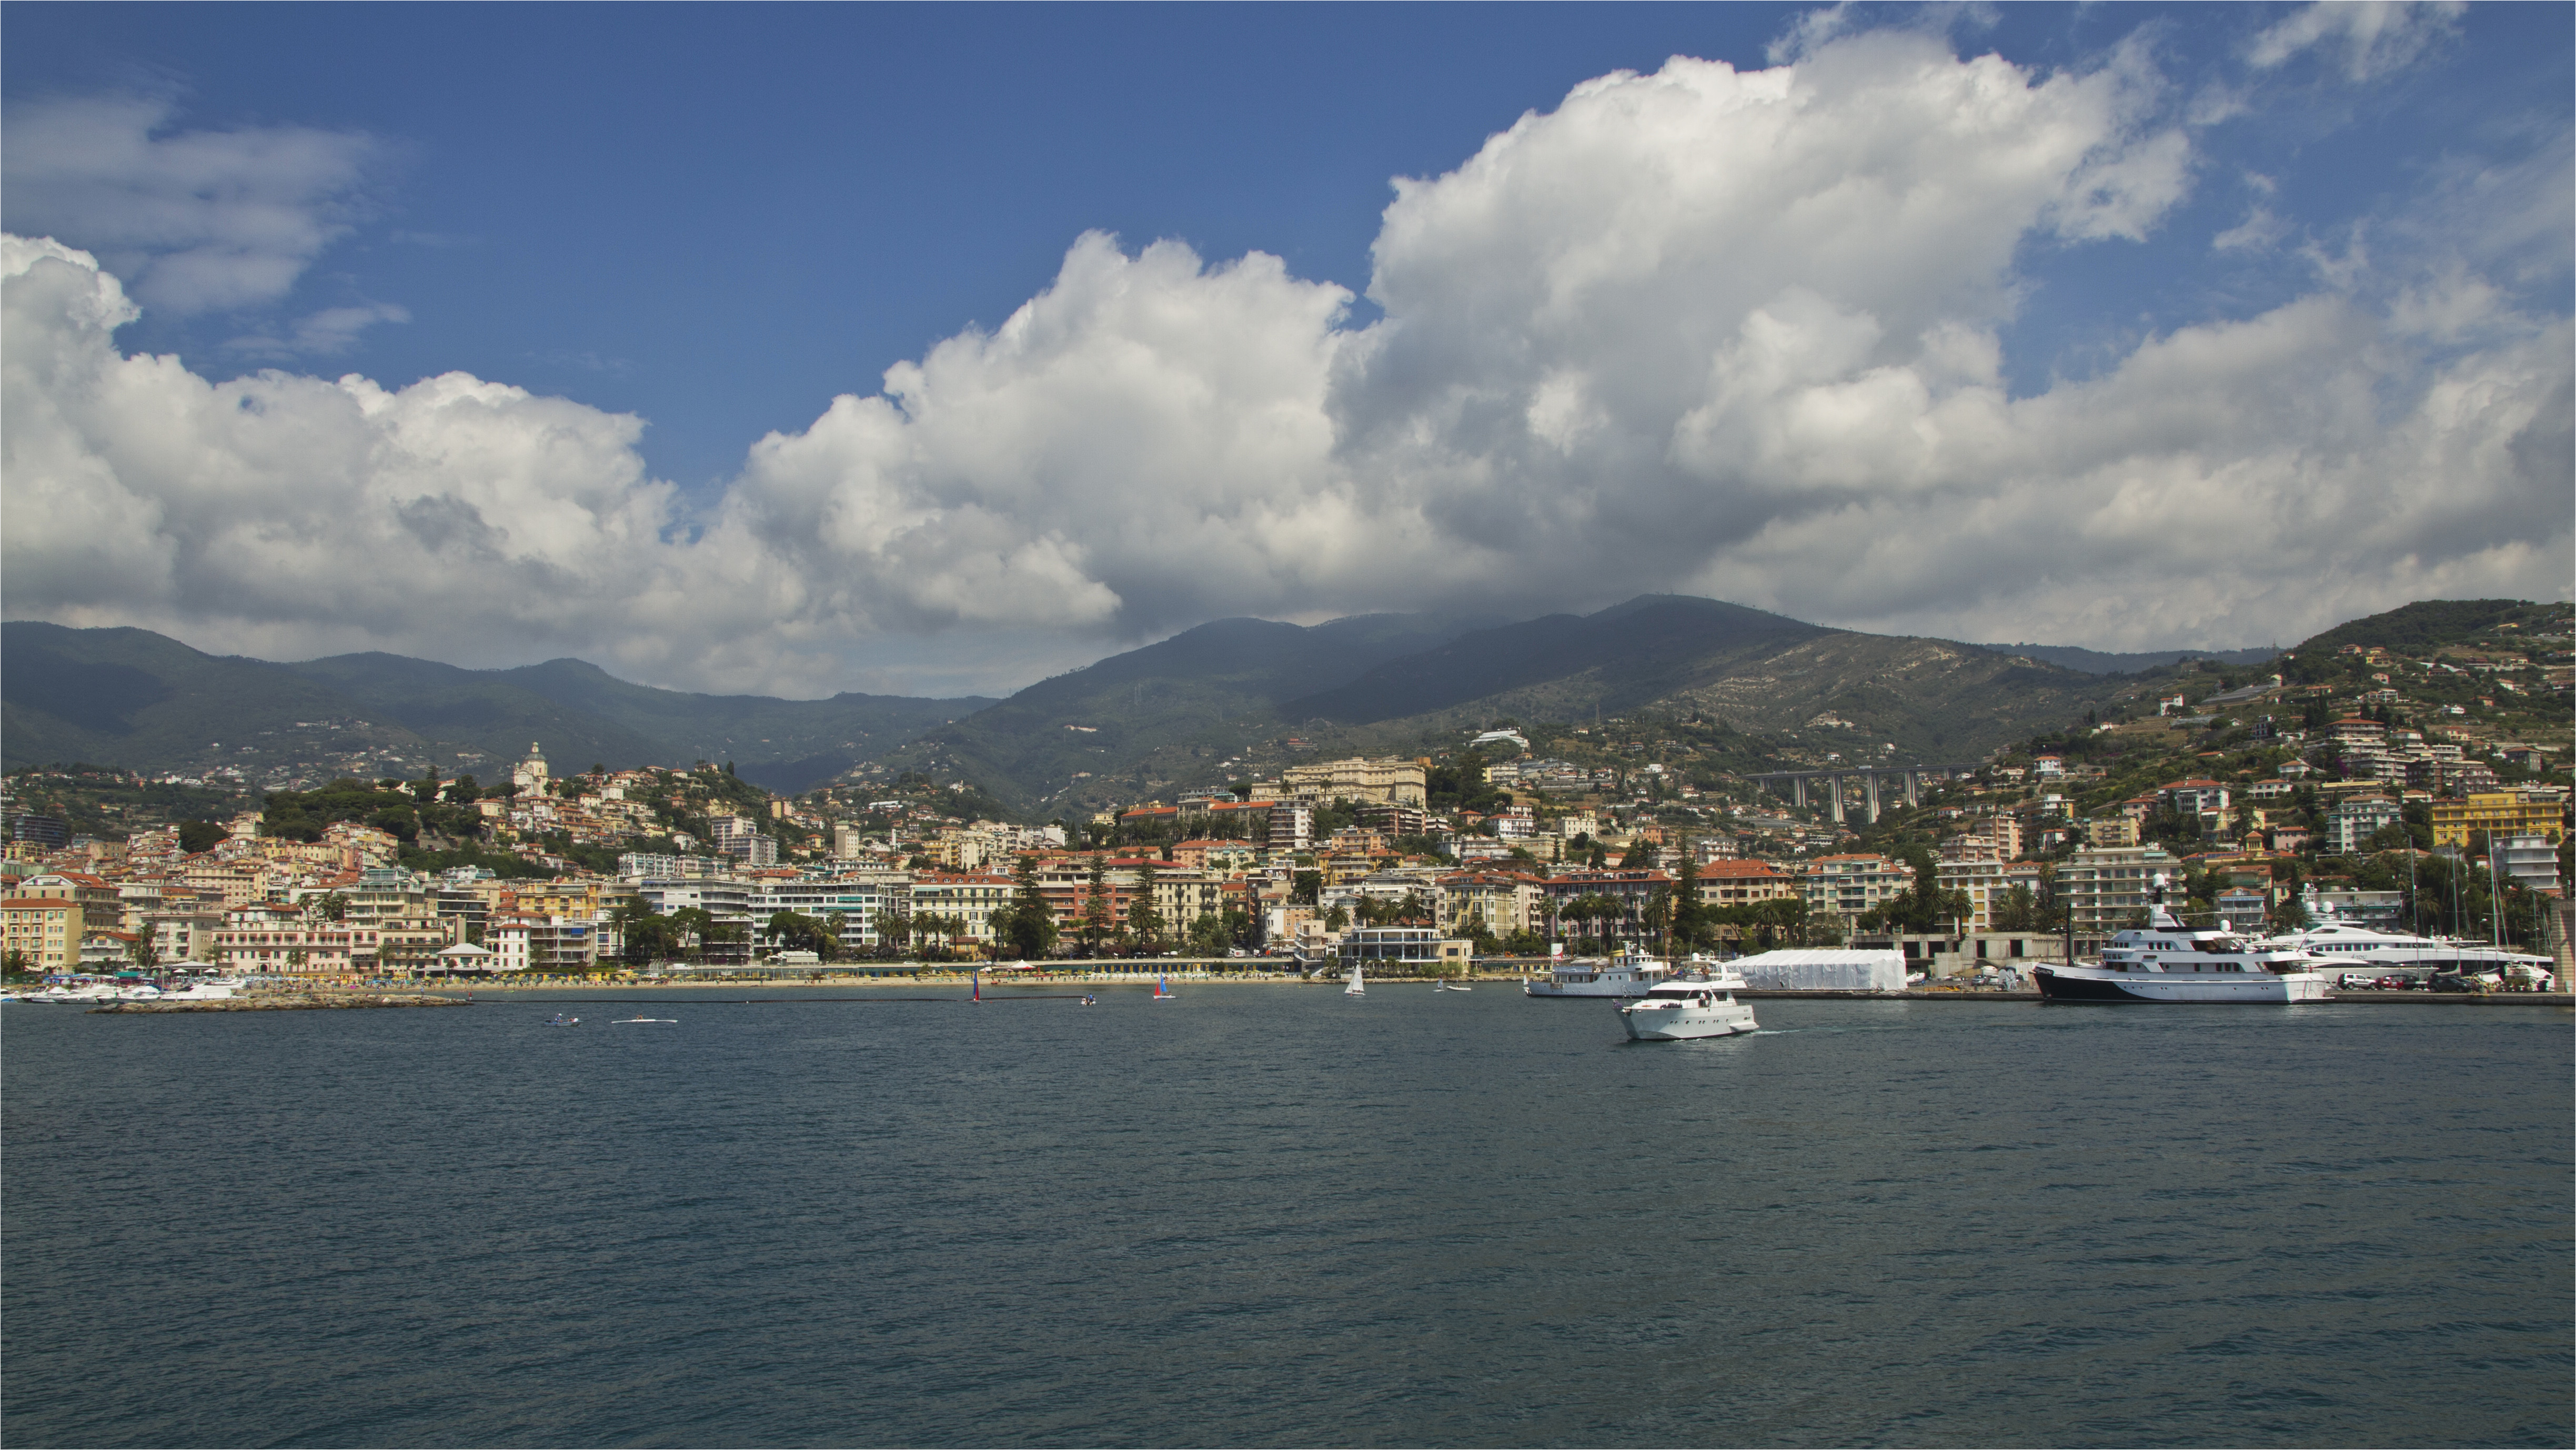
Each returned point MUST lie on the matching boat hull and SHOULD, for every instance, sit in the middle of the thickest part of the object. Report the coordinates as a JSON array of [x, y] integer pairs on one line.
[[1685, 1024], [2081, 984]]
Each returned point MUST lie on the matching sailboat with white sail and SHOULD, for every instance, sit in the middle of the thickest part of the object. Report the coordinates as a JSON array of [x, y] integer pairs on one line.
[[1355, 987]]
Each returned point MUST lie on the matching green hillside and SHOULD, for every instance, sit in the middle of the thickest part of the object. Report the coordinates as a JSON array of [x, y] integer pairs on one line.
[[132, 698], [2432, 624], [1180, 709], [1221, 703]]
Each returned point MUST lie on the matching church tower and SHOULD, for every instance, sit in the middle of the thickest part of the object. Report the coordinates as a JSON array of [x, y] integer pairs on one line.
[[530, 774]]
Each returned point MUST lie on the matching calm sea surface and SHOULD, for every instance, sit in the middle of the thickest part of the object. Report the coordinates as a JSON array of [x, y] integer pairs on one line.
[[1267, 1215]]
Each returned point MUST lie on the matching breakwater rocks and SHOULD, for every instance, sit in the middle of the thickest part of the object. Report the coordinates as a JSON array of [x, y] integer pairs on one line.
[[291, 1002]]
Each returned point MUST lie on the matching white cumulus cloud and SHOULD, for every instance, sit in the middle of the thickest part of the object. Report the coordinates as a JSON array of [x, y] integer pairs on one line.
[[1730, 332]]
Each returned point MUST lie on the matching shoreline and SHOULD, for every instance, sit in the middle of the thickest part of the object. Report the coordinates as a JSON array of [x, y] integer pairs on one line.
[[1005, 985], [282, 1002]]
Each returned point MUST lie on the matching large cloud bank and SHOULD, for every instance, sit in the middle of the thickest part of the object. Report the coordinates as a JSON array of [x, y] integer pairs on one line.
[[1723, 332]]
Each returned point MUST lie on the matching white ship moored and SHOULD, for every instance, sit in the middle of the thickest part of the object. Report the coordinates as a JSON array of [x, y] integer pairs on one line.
[[1699, 1005], [1630, 974], [2165, 961], [2344, 945]]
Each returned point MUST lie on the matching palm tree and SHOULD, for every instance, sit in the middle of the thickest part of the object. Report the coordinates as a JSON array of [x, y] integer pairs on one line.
[[894, 928]]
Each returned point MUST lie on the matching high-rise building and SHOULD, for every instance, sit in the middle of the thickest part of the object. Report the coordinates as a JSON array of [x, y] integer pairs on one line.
[[2104, 887], [1292, 827]]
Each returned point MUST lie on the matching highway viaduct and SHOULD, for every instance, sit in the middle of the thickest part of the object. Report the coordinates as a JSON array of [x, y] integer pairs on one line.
[[1795, 783]]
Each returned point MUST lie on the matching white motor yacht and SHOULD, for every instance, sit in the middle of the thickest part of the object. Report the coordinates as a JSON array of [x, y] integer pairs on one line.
[[1699, 1005], [2353, 947], [2166, 961], [1629, 974]]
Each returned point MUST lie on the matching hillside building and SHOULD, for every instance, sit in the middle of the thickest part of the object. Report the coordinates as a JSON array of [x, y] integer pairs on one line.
[[1390, 780]]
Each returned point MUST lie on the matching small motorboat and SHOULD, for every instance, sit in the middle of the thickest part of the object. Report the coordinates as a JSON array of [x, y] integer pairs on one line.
[[1700, 1005], [560, 1020], [622, 1021]]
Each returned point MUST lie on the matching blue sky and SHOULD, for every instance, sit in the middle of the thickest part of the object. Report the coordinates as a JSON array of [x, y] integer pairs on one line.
[[719, 219]]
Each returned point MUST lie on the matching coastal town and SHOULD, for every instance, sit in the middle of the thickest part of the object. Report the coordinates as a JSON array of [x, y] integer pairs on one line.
[[2384, 794]]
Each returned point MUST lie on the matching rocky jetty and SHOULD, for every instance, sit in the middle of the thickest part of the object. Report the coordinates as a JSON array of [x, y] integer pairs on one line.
[[290, 1002]]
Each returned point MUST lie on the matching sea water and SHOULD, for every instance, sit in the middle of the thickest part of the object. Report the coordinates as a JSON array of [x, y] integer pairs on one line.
[[1270, 1214]]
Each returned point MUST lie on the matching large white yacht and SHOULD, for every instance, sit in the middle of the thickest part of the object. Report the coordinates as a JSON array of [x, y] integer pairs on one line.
[[2347, 945], [1700, 1004], [2166, 961], [1629, 974]]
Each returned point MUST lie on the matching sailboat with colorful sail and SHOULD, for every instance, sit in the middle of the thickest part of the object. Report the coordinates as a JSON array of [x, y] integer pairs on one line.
[[1163, 989]]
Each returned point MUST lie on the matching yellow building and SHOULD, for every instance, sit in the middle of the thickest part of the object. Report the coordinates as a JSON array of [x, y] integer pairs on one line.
[[2111, 831], [1388, 779], [42, 931], [2501, 813]]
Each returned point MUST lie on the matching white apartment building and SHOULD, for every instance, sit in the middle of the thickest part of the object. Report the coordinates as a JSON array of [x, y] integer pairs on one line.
[[1987, 883], [1292, 826], [858, 898], [2104, 887], [1848, 885], [2351, 824], [2531, 860]]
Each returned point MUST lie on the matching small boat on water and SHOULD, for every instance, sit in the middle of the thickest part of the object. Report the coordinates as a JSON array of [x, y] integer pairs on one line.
[[1700, 1005], [560, 1020], [1453, 987], [1355, 987], [622, 1021], [203, 989]]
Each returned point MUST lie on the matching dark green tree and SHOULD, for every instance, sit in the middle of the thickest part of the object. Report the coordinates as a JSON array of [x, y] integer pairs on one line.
[[1096, 905], [1028, 925]]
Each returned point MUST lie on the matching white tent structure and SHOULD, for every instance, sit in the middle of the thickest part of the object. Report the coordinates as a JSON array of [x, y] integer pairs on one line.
[[1823, 969]]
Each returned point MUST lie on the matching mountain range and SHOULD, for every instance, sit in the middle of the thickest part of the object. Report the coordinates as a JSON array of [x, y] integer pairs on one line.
[[1229, 698], [1225, 701], [132, 698]]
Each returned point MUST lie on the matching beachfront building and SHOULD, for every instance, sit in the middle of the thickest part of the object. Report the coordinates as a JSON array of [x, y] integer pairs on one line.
[[1413, 947], [42, 931], [964, 902], [278, 940]]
